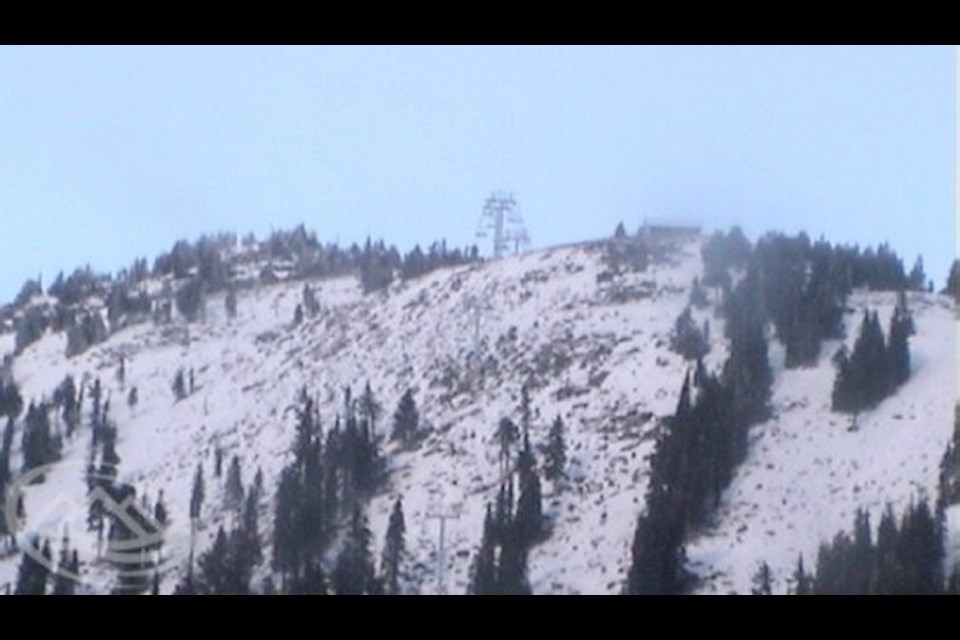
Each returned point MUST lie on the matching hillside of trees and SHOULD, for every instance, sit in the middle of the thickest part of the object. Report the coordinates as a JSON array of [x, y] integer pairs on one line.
[[89, 306], [781, 288]]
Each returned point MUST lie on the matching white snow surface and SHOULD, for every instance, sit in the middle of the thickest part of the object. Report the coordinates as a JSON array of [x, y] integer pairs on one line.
[[607, 368]]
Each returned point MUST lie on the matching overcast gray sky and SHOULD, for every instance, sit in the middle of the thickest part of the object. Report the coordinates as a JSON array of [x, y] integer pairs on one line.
[[109, 153]]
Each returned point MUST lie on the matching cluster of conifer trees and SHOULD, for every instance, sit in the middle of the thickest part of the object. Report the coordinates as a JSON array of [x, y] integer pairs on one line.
[[328, 477], [204, 267], [34, 576], [801, 287], [696, 453], [227, 567], [509, 530], [699, 447], [877, 366], [905, 558], [321, 495], [132, 555], [515, 523]]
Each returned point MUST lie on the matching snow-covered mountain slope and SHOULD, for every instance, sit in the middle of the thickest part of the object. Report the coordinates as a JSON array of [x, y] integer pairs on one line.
[[595, 351]]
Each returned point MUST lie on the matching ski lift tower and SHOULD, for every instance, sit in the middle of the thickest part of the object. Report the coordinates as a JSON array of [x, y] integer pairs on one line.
[[501, 216]]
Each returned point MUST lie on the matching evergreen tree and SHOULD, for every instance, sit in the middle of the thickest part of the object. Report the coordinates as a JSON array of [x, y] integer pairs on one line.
[[843, 384], [197, 494], [354, 573], [257, 491], [249, 544], [801, 337], [96, 397], [657, 552], [832, 577], [556, 454], [512, 566], [348, 403], [503, 514], [40, 445], [306, 433], [214, 569], [370, 409], [286, 530], [68, 569], [11, 403], [29, 328], [747, 373], [906, 315], [861, 563], [801, 580], [179, 386], [898, 350], [529, 517], [313, 518], [483, 575], [525, 411], [230, 302], [762, 581], [393, 550], [331, 478], [5, 474], [122, 371], [687, 339], [233, 490], [953, 281], [870, 358], [921, 549], [406, 420], [507, 435], [65, 396], [918, 278], [189, 299], [887, 560], [241, 560], [32, 576], [160, 511]]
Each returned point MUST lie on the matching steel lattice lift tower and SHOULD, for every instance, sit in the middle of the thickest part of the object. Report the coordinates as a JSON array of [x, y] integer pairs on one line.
[[501, 216]]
